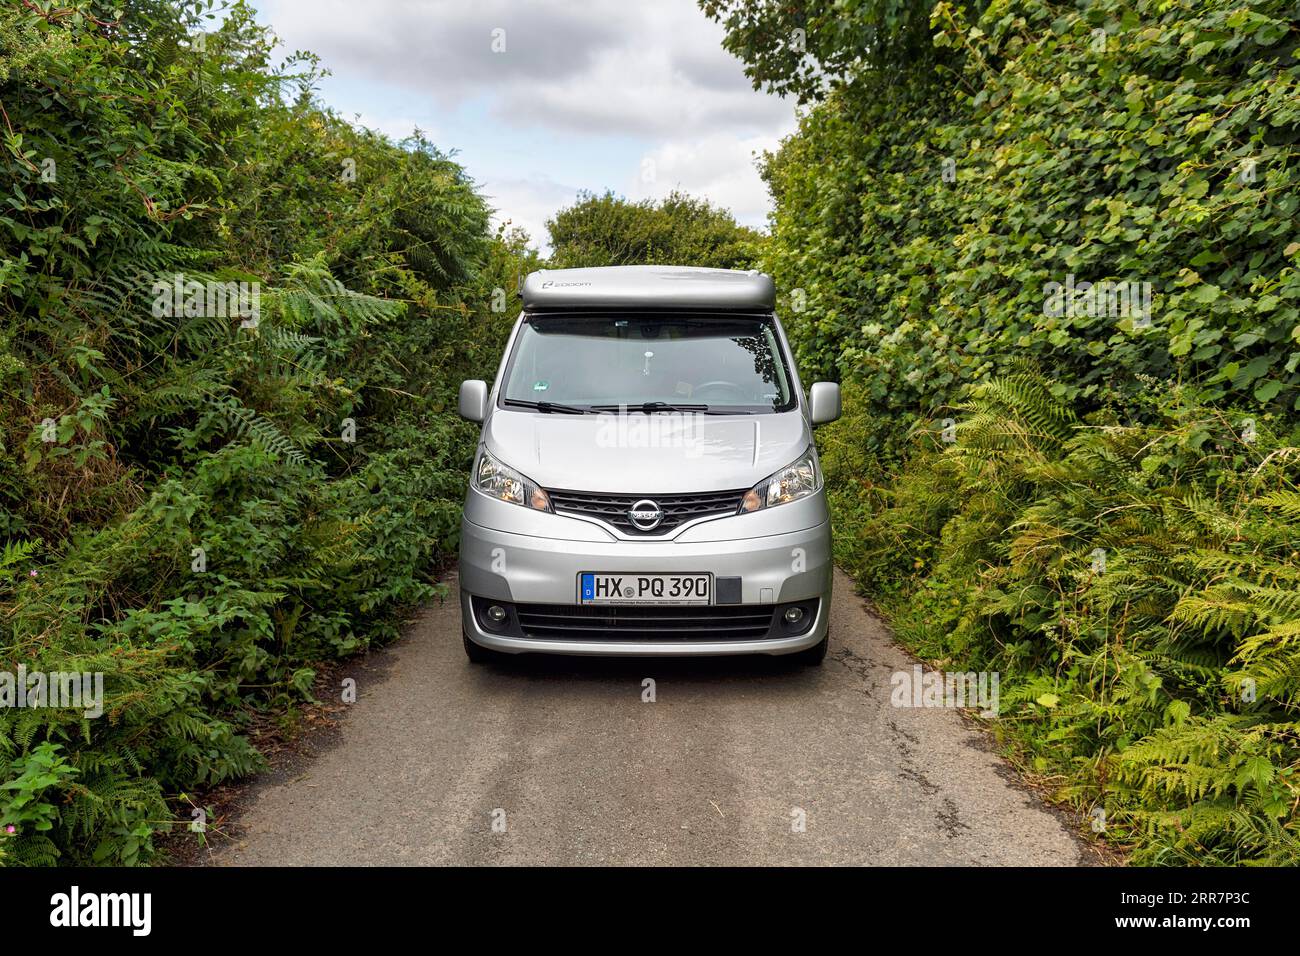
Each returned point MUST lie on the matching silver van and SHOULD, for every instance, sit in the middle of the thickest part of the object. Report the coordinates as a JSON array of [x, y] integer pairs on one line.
[[646, 482]]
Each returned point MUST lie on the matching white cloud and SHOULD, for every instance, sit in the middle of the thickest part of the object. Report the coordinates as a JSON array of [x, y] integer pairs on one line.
[[578, 89], [601, 66], [721, 168]]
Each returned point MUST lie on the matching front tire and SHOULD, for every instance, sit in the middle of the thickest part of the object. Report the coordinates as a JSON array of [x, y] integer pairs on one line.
[[813, 656], [476, 653]]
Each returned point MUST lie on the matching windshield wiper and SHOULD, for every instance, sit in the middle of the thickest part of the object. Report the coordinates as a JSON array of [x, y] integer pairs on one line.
[[547, 406], [649, 407]]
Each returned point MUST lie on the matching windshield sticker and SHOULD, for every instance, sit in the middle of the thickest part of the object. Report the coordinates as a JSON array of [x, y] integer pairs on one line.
[[541, 386]]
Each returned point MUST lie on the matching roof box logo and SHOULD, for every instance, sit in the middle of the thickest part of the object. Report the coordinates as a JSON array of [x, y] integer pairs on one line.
[[561, 285]]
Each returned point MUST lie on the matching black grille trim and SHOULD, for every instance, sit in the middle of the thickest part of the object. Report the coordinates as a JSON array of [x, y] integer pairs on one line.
[[678, 509], [639, 622]]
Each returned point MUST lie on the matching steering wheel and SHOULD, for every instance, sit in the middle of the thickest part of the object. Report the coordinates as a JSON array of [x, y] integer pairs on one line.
[[731, 387]]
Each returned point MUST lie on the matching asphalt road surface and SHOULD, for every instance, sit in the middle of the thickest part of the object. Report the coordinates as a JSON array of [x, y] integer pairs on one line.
[[561, 761]]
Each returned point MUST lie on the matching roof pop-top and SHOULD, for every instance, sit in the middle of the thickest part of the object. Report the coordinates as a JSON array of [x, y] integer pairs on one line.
[[649, 287]]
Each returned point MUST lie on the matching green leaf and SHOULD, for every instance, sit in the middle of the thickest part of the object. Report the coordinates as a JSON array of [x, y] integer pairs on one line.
[[1267, 391]]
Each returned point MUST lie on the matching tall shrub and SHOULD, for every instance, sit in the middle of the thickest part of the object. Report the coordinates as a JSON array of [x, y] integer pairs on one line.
[[200, 503]]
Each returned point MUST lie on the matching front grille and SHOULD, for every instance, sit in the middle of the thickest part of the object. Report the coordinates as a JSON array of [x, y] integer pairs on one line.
[[677, 509], [645, 623]]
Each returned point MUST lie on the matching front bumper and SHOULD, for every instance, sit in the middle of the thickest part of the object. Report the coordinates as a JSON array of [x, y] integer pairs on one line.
[[531, 569]]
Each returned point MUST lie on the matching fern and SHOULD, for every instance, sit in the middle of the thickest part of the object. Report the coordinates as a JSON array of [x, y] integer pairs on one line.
[[1149, 593]]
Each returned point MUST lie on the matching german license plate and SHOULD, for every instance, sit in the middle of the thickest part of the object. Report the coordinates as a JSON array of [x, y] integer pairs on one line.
[[596, 588]]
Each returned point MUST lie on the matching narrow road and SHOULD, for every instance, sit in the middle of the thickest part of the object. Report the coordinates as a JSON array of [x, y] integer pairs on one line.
[[438, 756]]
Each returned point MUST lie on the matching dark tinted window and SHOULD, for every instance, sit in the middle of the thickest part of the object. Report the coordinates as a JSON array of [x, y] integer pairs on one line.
[[729, 363]]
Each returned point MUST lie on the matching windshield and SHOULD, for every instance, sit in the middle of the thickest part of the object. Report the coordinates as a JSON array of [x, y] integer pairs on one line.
[[719, 364]]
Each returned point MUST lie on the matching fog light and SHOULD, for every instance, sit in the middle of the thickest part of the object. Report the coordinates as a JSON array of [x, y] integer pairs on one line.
[[793, 615], [496, 613]]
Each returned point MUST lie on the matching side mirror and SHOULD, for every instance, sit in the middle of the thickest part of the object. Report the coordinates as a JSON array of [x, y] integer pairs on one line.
[[472, 403], [823, 402]]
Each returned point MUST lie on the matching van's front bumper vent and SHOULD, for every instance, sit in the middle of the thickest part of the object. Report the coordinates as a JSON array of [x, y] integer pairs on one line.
[[645, 623]]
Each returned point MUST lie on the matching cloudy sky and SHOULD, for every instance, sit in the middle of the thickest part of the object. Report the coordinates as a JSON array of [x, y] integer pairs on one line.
[[543, 98]]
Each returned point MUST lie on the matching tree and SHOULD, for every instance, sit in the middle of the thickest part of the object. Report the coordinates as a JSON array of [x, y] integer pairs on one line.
[[805, 49], [680, 230]]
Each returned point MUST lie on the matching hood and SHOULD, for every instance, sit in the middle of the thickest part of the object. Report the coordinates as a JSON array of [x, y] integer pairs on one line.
[[661, 453]]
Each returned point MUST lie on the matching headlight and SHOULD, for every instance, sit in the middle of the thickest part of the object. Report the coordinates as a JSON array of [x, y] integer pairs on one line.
[[504, 483], [799, 479]]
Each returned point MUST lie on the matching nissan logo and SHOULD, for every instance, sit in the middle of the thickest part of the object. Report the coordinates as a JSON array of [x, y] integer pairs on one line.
[[645, 515]]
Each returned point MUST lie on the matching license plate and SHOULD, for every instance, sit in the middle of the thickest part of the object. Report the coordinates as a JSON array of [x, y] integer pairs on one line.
[[645, 588]]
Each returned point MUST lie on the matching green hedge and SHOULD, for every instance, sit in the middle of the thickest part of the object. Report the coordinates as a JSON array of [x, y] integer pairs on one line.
[[996, 441], [198, 508], [1153, 142]]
